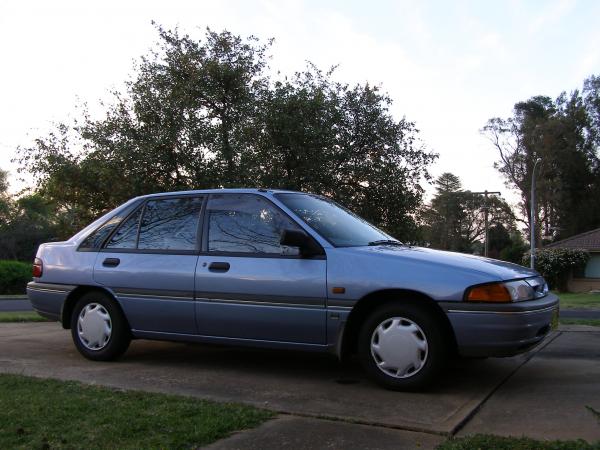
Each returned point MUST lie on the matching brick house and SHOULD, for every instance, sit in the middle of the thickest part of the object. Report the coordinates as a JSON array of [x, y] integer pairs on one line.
[[587, 279]]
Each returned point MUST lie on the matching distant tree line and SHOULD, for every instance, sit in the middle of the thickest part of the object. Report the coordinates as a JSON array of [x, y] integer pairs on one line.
[[565, 133], [25, 222], [455, 220], [210, 113]]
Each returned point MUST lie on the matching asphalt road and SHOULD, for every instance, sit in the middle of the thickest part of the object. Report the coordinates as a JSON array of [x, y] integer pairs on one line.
[[580, 313], [15, 305]]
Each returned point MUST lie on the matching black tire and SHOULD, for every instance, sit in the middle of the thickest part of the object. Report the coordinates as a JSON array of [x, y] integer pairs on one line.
[[432, 360], [120, 335]]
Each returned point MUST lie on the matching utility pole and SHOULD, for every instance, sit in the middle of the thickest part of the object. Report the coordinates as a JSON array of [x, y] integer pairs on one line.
[[533, 214], [485, 215]]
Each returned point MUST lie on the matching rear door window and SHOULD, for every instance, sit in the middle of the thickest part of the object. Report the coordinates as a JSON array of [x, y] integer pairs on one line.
[[162, 224], [170, 224]]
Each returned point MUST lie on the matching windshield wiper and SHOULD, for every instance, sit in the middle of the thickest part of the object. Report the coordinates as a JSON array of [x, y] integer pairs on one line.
[[385, 242]]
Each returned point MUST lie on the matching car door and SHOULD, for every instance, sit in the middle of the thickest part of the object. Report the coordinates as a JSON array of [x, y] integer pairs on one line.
[[149, 264], [247, 285]]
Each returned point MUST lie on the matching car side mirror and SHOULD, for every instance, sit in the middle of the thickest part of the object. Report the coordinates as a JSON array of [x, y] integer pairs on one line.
[[296, 238]]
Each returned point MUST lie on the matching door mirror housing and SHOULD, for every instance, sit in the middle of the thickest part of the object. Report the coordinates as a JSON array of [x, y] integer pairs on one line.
[[296, 238]]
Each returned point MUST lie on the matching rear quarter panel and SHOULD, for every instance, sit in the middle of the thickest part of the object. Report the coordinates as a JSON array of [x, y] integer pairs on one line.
[[63, 264]]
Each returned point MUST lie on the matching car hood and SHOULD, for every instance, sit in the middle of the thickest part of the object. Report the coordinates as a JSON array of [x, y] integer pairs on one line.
[[495, 269]]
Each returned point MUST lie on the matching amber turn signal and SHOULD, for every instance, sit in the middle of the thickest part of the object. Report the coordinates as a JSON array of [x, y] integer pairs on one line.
[[496, 293]]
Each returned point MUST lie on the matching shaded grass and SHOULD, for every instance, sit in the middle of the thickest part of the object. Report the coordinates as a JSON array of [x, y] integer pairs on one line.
[[590, 322], [21, 316], [36, 413], [580, 301], [491, 442]]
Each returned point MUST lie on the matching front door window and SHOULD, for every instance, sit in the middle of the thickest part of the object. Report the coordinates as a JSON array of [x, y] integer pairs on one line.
[[245, 223]]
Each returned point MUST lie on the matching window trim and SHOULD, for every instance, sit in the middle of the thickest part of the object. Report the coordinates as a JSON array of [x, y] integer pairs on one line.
[[204, 249], [196, 251]]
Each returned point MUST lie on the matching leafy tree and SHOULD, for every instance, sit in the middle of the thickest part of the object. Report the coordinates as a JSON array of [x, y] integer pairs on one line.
[[564, 133], [31, 222], [26, 222], [499, 239], [182, 123], [205, 113], [455, 219], [515, 250], [4, 200], [341, 141], [446, 216], [3, 182]]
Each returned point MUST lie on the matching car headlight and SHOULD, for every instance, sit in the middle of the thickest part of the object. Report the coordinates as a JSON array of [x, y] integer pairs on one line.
[[519, 290], [508, 291], [539, 285]]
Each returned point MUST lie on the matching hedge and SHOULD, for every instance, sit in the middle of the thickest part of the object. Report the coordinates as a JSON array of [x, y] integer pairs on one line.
[[556, 264], [14, 276]]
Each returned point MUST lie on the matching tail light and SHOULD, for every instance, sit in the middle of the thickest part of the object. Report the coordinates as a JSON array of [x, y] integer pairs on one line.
[[38, 268]]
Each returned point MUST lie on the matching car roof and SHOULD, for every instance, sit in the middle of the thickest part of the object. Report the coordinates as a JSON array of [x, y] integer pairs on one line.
[[260, 191]]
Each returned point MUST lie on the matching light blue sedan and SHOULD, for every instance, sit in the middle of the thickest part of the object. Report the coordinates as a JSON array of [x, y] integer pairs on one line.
[[286, 270]]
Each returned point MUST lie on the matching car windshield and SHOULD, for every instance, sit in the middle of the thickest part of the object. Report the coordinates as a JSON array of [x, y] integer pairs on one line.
[[338, 225]]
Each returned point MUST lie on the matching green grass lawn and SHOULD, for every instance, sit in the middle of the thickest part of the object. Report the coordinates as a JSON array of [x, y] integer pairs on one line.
[[36, 413], [489, 442], [580, 301], [18, 316]]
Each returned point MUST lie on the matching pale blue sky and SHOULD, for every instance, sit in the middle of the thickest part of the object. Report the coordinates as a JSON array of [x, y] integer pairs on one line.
[[449, 66]]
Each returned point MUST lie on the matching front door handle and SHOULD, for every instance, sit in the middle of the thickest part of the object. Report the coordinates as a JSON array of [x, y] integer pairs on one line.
[[111, 262], [218, 266]]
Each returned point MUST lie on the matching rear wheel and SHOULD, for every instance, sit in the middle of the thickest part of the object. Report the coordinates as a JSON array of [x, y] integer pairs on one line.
[[402, 346], [98, 327]]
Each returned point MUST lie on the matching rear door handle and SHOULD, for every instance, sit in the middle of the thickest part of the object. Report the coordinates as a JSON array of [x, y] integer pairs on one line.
[[111, 262], [218, 266]]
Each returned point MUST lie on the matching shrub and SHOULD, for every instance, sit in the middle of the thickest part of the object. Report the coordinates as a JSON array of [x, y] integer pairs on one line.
[[556, 264], [14, 276]]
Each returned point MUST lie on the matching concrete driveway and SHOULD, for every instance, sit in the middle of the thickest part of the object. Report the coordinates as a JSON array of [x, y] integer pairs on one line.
[[552, 385]]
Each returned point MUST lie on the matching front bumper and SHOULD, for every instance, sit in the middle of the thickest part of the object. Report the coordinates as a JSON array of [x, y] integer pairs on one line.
[[484, 329]]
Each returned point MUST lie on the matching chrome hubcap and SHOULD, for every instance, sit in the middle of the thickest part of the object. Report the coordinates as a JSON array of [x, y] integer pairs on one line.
[[399, 347], [94, 326]]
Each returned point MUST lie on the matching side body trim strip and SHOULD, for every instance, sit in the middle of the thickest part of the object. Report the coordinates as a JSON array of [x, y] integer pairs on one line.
[[50, 287]]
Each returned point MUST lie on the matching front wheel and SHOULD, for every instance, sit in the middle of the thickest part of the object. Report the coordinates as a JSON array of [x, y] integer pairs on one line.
[[98, 328], [402, 347]]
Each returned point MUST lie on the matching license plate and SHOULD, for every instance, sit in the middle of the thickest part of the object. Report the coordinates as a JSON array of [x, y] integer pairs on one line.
[[554, 321]]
